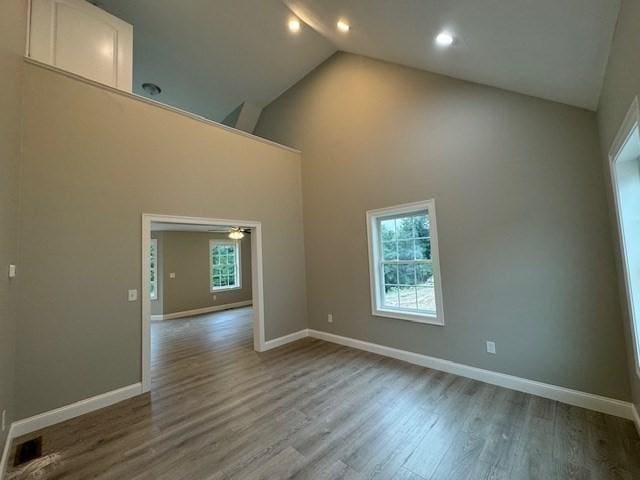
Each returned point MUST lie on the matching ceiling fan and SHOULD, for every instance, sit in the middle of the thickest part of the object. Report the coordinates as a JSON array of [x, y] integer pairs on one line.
[[235, 233]]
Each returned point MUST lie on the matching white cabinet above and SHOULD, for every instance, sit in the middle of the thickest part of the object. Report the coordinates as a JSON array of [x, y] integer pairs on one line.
[[81, 38]]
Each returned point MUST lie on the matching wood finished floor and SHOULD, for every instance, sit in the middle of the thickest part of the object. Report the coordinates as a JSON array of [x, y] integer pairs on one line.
[[315, 410]]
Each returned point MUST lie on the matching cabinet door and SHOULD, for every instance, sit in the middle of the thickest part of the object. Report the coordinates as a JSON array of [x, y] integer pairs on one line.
[[79, 37]]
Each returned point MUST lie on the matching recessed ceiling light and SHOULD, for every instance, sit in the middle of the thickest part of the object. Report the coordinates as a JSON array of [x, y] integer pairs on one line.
[[343, 26], [294, 25], [152, 89], [444, 39]]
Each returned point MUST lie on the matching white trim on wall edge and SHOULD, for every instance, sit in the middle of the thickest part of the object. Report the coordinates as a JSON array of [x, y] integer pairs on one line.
[[154, 103], [5, 452], [200, 311], [590, 401], [292, 337]]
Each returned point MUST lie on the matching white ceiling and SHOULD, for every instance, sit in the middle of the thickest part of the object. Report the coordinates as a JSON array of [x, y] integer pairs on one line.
[[209, 56], [553, 49]]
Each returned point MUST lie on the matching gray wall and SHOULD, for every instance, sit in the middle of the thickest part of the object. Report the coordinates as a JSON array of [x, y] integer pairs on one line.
[[93, 162], [187, 255], [622, 84], [524, 233], [12, 38]]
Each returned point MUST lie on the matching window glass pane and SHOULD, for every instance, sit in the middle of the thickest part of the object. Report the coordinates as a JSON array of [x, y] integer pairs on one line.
[[391, 274], [389, 250], [405, 250], [423, 248], [388, 230], [408, 297], [421, 225], [404, 227], [427, 299], [224, 265], [153, 265], [407, 274], [391, 296], [424, 274]]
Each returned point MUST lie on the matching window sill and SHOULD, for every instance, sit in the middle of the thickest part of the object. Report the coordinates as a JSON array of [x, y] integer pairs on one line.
[[425, 319], [224, 289]]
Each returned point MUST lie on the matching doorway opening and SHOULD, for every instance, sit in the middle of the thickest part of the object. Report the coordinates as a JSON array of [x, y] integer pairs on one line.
[[624, 162], [196, 266]]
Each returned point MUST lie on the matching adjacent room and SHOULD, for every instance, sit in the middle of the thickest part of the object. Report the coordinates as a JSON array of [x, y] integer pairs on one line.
[[319, 239]]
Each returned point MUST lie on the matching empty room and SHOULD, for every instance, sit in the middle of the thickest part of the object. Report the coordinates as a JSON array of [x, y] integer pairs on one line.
[[319, 239]]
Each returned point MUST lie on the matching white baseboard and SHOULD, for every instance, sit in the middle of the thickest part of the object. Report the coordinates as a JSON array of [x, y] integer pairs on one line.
[[201, 311], [292, 337], [46, 419], [5, 452], [590, 401]]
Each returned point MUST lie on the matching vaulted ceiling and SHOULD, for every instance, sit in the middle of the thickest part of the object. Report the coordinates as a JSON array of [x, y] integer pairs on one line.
[[209, 56]]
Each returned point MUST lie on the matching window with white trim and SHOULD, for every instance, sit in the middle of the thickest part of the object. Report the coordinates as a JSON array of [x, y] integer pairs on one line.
[[405, 275], [153, 267], [624, 158], [224, 261]]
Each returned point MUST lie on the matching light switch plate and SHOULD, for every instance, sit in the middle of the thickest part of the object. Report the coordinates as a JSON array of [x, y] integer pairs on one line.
[[12, 271], [133, 295], [172, 275]]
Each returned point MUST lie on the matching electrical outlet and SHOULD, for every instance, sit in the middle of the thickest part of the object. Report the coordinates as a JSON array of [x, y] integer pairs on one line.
[[215, 297], [4, 419], [12, 271], [133, 295], [172, 275], [491, 347], [330, 318]]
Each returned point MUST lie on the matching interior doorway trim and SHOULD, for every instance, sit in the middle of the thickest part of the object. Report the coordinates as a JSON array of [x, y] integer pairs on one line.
[[256, 280]]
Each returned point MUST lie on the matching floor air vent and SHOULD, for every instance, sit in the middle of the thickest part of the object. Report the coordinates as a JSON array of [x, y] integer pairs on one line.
[[27, 451]]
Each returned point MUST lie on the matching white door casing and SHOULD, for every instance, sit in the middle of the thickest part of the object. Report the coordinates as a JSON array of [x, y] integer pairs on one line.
[[81, 38]]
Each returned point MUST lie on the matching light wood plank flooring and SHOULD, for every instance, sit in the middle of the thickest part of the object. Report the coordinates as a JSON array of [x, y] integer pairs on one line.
[[314, 410]]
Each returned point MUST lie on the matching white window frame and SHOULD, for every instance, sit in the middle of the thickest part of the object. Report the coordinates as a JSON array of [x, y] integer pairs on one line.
[[154, 294], [238, 269], [375, 263], [630, 127]]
